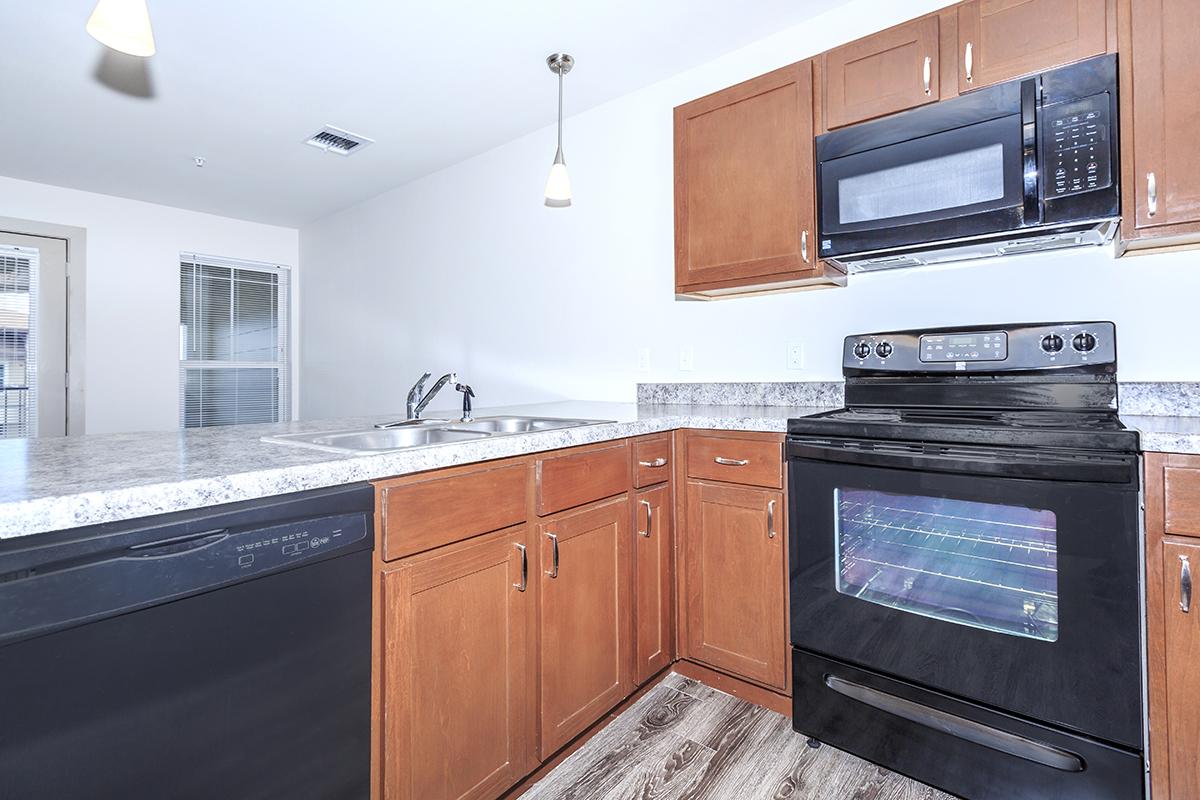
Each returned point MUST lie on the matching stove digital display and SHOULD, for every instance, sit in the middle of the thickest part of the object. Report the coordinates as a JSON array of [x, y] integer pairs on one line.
[[983, 346]]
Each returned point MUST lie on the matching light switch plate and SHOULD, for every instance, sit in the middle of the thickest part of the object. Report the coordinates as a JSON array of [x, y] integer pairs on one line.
[[687, 358]]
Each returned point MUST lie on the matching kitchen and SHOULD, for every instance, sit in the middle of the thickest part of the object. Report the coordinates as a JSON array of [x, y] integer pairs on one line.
[[617, 547]]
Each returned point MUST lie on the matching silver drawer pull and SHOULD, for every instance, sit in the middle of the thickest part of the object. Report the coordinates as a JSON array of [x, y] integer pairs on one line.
[[1185, 584], [969, 62], [732, 462], [1151, 194], [928, 75], [658, 462], [771, 520], [649, 518], [553, 571], [524, 584]]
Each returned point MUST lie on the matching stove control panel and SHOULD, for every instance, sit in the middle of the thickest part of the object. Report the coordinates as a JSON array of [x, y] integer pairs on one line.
[[1009, 348]]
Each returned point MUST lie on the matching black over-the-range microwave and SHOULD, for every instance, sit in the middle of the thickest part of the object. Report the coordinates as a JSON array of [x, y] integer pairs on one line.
[[1018, 167]]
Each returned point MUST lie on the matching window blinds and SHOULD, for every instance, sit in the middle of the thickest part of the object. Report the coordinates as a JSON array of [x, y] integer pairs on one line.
[[233, 342], [18, 341]]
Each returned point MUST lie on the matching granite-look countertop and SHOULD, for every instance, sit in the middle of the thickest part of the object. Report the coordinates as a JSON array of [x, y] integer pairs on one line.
[[57, 483], [1166, 434]]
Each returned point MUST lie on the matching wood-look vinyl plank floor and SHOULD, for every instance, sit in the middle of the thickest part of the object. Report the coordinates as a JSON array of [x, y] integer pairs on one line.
[[687, 741]]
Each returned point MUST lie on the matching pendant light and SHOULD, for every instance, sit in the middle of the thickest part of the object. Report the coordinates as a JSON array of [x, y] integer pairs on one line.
[[123, 25], [558, 185]]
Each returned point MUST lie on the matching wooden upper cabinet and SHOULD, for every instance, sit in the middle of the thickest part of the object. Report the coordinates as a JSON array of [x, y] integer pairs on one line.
[[735, 581], [1160, 103], [999, 40], [586, 630], [654, 582], [881, 74], [458, 688], [745, 213]]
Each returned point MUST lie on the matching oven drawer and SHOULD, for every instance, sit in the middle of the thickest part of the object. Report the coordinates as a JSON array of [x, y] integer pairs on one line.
[[754, 462], [957, 746]]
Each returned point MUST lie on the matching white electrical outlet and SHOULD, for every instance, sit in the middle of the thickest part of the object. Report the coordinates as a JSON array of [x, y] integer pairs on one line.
[[687, 358], [643, 359], [795, 356]]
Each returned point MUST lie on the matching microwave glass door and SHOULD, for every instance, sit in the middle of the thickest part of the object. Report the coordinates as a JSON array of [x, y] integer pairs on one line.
[[992, 566], [963, 171]]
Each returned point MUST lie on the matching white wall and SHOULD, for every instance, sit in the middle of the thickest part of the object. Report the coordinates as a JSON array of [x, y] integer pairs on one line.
[[465, 269], [132, 306]]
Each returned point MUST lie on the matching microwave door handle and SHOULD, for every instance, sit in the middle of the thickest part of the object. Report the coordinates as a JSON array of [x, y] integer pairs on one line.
[[1030, 179]]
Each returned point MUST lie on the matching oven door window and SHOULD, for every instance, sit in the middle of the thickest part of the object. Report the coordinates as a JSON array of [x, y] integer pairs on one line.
[[983, 565]]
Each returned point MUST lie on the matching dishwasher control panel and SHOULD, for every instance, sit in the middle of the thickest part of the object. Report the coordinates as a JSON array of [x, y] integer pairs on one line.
[[276, 545]]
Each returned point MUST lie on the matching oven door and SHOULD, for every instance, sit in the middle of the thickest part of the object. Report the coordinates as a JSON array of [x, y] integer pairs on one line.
[[957, 169], [967, 570]]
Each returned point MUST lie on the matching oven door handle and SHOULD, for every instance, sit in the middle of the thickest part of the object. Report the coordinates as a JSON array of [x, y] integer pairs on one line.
[[970, 460]]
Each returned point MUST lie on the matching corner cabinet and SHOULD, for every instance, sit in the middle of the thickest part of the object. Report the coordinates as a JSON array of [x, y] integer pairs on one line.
[[745, 208]]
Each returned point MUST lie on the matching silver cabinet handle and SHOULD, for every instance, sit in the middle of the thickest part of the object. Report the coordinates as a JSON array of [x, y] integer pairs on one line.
[[658, 462], [927, 74], [732, 462], [1185, 584], [553, 571], [1151, 194], [804, 245], [524, 584], [969, 62], [771, 520], [649, 518]]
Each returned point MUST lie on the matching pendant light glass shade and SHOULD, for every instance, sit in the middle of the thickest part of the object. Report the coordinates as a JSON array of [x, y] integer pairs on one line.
[[123, 25], [558, 184]]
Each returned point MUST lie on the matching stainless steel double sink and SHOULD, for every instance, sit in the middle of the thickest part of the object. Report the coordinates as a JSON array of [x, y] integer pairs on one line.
[[424, 433]]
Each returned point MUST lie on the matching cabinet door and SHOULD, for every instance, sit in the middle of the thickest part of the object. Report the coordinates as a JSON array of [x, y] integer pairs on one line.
[[457, 687], [999, 40], [736, 584], [1182, 713], [744, 190], [586, 622], [1166, 112], [883, 73], [653, 578]]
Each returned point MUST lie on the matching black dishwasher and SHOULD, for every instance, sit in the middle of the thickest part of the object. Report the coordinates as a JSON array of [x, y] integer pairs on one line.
[[218, 653]]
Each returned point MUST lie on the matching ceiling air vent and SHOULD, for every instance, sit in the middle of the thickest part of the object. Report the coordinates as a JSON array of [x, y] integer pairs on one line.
[[336, 140]]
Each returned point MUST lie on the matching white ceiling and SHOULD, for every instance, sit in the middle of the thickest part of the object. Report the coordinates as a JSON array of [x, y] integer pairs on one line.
[[243, 82]]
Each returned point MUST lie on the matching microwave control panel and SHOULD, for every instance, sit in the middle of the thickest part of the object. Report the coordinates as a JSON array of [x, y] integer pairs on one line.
[[1075, 146]]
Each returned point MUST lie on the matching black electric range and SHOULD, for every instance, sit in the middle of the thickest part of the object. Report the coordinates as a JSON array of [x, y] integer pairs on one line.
[[965, 563]]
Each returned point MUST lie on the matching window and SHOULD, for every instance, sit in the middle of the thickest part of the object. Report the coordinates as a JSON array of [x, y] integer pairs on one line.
[[233, 342], [18, 341]]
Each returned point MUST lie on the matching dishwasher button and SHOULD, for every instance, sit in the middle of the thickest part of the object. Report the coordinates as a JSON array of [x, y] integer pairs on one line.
[[246, 560]]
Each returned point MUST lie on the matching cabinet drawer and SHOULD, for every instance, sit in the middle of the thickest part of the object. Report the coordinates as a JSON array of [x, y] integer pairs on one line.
[[651, 461], [571, 480], [755, 462], [423, 514], [1182, 500]]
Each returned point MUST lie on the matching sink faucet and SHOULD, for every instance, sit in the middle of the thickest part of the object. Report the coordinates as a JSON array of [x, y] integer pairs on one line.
[[416, 403]]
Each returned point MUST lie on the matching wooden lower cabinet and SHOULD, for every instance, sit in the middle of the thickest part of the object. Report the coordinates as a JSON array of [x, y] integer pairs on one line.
[[457, 688], [654, 582], [1180, 716], [734, 581], [585, 632]]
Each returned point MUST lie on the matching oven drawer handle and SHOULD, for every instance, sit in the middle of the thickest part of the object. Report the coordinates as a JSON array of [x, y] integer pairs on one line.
[[1185, 584], [731, 462], [954, 725]]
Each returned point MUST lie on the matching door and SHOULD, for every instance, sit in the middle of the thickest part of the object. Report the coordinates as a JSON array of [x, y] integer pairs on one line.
[[999, 40], [457, 687], [1182, 712], [586, 631], [654, 579], [33, 336], [1166, 108], [735, 581], [884, 73], [744, 182], [957, 573]]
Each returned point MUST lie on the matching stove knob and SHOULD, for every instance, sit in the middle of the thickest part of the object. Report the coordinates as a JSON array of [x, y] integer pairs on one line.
[[1084, 342], [862, 349], [1052, 343], [883, 349]]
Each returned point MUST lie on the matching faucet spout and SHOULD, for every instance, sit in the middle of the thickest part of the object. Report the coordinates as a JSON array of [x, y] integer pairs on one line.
[[415, 409]]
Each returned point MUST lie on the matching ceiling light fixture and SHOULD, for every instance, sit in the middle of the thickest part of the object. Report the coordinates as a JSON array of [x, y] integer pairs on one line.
[[558, 185], [123, 25]]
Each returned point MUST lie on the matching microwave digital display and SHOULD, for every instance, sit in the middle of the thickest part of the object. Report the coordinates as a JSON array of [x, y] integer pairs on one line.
[[983, 346]]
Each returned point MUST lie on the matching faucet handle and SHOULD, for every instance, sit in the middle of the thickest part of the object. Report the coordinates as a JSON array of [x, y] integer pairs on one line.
[[419, 386]]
